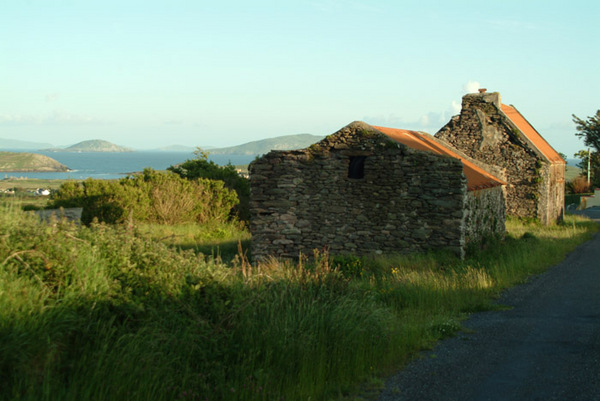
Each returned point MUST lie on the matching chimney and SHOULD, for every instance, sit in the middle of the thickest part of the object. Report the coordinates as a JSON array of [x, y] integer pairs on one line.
[[483, 95]]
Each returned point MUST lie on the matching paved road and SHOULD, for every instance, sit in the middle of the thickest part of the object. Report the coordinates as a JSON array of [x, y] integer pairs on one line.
[[546, 348]]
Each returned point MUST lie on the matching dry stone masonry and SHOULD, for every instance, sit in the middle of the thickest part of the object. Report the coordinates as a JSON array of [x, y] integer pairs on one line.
[[360, 192], [533, 170]]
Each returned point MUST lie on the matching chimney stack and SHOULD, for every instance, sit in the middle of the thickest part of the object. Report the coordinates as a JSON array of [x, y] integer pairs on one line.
[[482, 90]]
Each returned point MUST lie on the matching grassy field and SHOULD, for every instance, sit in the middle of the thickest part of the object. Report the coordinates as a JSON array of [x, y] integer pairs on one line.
[[23, 188], [123, 313], [29, 183], [572, 172]]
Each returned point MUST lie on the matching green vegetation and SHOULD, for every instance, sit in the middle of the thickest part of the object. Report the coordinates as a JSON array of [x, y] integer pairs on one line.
[[107, 313], [21, 191], [594, 163], [589, 130], [17, 162], [153, 196], [26, 184], [201, 167], [219, 240]]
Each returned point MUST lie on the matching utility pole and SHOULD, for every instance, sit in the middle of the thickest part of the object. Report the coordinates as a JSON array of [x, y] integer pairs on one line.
[[589, 165]]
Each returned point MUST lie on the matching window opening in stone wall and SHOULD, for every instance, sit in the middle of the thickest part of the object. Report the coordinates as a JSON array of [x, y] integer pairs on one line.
[[356, 168]]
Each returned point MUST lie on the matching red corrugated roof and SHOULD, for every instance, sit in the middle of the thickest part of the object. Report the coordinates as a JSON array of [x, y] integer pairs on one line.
[[477, 178], [530, 132]]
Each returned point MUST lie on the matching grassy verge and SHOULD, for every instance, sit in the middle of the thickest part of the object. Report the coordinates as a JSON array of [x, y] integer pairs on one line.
[[107, 313]]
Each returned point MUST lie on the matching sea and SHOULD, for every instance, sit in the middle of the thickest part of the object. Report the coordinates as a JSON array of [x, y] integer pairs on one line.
[[117, 165], [109, 166]]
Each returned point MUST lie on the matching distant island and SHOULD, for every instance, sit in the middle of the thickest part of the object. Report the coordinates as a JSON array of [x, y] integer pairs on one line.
[[286, 142], [95, 145], [254, 148], [12, 162], [174, 148]]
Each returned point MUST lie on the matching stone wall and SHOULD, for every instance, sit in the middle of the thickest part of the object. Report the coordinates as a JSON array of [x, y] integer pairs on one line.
[[552, 193], [485, 214], [70, 213], [484, 133], [406, 201]]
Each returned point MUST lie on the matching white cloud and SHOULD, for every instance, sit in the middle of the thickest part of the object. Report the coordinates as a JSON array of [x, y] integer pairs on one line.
[[430, 122], [391, 120], [455, 107], [471, 87]]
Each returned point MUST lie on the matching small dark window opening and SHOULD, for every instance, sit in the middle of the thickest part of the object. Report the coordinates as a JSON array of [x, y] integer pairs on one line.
[[356, 168]]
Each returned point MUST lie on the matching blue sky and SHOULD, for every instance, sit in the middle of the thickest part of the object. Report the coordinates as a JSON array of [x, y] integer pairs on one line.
[[204, 73]]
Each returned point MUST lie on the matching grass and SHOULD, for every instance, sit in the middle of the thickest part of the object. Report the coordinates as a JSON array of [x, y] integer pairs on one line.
[[220, 241], [23, 191], [572, 172], [30, 183], [110, 313]]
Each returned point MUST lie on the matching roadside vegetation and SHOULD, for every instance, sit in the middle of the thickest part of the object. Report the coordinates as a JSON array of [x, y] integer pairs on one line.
[[144, 310], [152, 196]]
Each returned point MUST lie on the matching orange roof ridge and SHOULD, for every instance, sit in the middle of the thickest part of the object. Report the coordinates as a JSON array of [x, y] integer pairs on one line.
[[527, 129], [477, 178]]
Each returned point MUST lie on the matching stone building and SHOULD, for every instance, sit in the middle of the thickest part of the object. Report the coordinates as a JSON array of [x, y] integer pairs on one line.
[[371, 190], [499, 135]]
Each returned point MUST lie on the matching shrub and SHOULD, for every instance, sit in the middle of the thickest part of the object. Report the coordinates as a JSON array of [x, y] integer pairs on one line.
[[201, 167], [153, 196], [578, 185]]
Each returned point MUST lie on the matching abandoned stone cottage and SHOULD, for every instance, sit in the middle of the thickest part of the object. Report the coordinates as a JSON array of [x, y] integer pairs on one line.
[[367, 189], [499, 135]]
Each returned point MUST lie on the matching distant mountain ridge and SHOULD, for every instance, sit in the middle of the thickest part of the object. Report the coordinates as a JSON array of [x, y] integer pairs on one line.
[[29, 162], [285, 142], [17, 144], [175, 148], [94, 145]]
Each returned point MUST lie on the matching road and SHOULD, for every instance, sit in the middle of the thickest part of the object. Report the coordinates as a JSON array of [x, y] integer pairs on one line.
[[547, 347]]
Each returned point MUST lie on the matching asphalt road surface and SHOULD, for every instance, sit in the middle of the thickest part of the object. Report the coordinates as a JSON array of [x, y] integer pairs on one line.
[[547, 347]]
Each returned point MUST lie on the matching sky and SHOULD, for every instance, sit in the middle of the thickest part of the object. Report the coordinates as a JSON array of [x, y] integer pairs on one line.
[[146, 74]]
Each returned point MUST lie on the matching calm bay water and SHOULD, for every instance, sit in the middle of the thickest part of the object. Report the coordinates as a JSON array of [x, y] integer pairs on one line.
[[118, 165]]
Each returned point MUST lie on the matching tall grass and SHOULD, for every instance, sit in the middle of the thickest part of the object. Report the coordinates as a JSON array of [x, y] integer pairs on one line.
[[107, 313], [218, 240]]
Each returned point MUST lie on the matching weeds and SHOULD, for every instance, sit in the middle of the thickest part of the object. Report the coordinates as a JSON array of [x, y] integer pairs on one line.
[[111, 313]]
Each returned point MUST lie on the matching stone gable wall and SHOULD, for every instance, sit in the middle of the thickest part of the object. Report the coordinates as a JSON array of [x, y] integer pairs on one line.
[[408, 200], [484, 133], [552, 193], [485, 214]]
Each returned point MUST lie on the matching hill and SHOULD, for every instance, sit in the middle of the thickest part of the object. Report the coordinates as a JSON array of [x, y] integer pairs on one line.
[[286, 142], [29, 162], [175, 148], [95, 145], [16, 144], [571, 172]]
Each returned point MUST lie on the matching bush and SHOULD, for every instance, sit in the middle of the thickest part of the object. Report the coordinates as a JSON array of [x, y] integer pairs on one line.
[[201, 167], [578, 185], [153, 196]]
